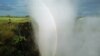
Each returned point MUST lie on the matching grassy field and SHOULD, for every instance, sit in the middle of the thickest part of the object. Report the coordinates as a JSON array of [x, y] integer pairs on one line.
[[15, 37], [14, 19]]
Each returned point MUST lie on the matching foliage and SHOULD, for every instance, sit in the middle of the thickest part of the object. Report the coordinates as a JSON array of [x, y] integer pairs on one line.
[[13, 44]]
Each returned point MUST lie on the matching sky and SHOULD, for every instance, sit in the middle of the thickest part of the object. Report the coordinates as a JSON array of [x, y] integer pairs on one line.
[[88, 7], [19, 7], [13, 7]]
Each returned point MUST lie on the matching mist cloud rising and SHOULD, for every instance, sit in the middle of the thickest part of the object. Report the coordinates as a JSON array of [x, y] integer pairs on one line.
[[55, 20], [59, 33]]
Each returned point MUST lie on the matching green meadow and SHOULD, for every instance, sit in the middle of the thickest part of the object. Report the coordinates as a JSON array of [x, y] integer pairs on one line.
[[14, 19]]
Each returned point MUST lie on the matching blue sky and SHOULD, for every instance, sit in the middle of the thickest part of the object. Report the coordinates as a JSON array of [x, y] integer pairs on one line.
[[13, 7], [19, 7], [88, 7]]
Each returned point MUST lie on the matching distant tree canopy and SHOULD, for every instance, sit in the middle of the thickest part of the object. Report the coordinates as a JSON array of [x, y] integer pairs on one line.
[[27, 16], [14, 16]]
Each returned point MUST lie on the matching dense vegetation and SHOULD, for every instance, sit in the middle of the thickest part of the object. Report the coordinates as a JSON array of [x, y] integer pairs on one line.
[[17, 37]]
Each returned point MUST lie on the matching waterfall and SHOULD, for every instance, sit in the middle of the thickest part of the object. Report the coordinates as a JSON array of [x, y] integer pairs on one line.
[[60, 33]]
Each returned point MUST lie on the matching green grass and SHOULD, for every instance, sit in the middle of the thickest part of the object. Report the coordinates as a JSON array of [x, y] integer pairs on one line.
[[14, 19]]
